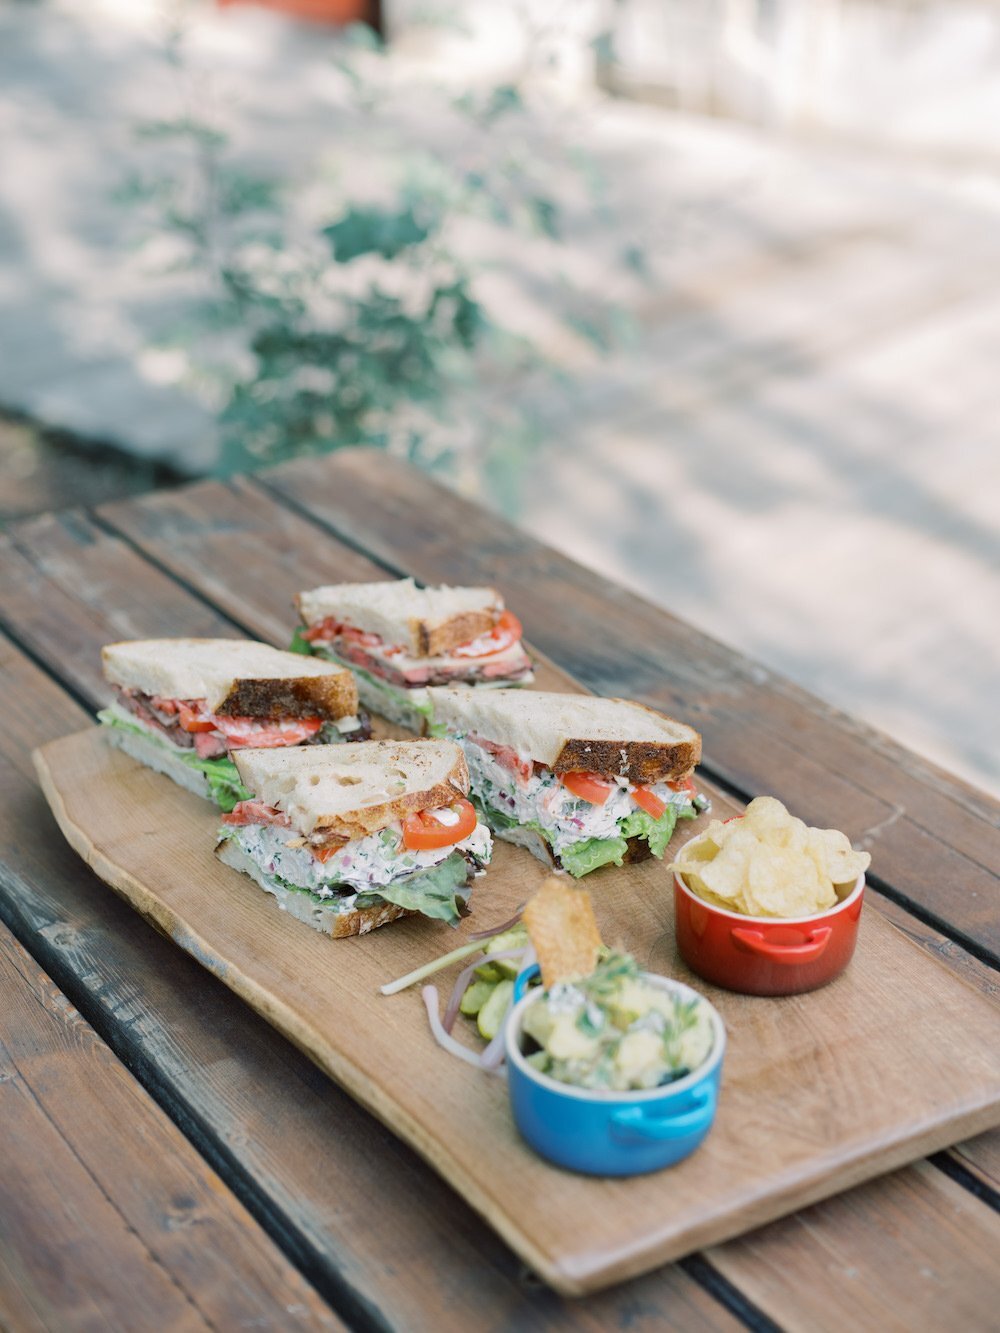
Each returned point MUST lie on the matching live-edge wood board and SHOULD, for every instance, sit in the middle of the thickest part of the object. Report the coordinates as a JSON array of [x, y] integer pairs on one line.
[[895, 1059]]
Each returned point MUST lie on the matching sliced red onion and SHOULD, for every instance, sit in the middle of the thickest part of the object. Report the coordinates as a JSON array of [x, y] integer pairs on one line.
[[458, 990], [493, 1057], [498, 930], [443, 1038]]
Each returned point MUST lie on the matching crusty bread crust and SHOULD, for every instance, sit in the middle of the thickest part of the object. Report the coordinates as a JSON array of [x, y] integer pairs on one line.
[[427, 622], [433, 640], [639, 761], [616, 738], [297, 783], [374, 817], [328, 697], [338, 925]]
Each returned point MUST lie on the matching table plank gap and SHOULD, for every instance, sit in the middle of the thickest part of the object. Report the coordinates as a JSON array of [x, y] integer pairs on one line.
[[171, 1244]]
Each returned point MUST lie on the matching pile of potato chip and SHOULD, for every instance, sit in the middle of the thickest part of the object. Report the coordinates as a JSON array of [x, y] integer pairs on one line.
[[770, 864]]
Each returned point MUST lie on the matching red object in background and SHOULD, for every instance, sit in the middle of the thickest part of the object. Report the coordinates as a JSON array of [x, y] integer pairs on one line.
[[766, 955], [320, 11]]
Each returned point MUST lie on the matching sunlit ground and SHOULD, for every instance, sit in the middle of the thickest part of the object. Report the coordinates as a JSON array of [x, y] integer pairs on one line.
[[799, 452]]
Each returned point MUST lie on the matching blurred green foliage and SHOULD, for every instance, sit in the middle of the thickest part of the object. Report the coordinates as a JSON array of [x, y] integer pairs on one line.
[[367, 329]]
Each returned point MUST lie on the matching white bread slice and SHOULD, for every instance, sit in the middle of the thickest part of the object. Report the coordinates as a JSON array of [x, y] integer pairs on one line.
[[236, 677], [158, 756], [357, 921], [426, 621], [350, 791], [566, 732]]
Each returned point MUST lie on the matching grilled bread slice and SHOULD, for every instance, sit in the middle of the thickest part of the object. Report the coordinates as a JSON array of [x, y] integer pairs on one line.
[[236, 677], [568, 732], [428, 622], [349, 791]]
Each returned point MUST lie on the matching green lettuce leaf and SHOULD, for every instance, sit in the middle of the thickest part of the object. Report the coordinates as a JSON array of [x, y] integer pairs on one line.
[[657, 832], [436, 892], [223, 778], [299, 644], [591, 854], [221, 774]]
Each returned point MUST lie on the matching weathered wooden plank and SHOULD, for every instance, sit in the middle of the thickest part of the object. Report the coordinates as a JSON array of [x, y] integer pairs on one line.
[[239, 549], [378, 1232], [887, 1269], [933, 838], [274, 1118], [67, 589], [200, 550], [110, 1218]]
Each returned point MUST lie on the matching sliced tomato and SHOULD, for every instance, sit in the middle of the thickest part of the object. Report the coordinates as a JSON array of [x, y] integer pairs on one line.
[[423, 831], [323, 854], [194, 719], [683, 784], [588, 786], [167, 706], [506, 632], [256, 812], [332, 628], [505, 755], [647, 800], [264, 733]]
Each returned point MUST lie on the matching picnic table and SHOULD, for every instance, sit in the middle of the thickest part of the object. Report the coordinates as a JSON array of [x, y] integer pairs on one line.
[[170, 1161]]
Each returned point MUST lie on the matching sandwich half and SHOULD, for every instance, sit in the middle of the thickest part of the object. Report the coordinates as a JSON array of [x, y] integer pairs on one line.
[[185, 706], [348, 838], [398, 639], [581, 781]]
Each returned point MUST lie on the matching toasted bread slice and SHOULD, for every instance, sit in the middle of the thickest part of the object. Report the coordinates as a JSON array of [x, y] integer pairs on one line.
[[321, 916], [235, 677], [349, 791], [426, 621], [568, 732]]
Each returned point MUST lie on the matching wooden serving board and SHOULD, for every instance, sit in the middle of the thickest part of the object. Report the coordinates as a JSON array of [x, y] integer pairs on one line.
[[894, 1060]]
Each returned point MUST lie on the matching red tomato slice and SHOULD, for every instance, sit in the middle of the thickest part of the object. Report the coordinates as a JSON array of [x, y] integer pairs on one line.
[[683, 784], [332, 628], [648, 800], [423, 832], [194, 719], [505, 755], [265, 734], [256, 812], [323, 854], [504, 634], [168, 706], [588, 786]]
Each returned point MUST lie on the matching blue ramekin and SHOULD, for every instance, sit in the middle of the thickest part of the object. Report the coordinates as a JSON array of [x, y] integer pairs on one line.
[[612, 1133]]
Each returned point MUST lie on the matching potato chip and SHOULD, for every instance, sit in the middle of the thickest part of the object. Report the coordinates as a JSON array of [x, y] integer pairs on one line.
[[770, 864], [727, 873], [768, 818], [833, 854], [563, 931], [784, 882]]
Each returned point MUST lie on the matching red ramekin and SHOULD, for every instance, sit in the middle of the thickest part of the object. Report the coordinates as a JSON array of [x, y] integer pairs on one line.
[[766, 955]]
